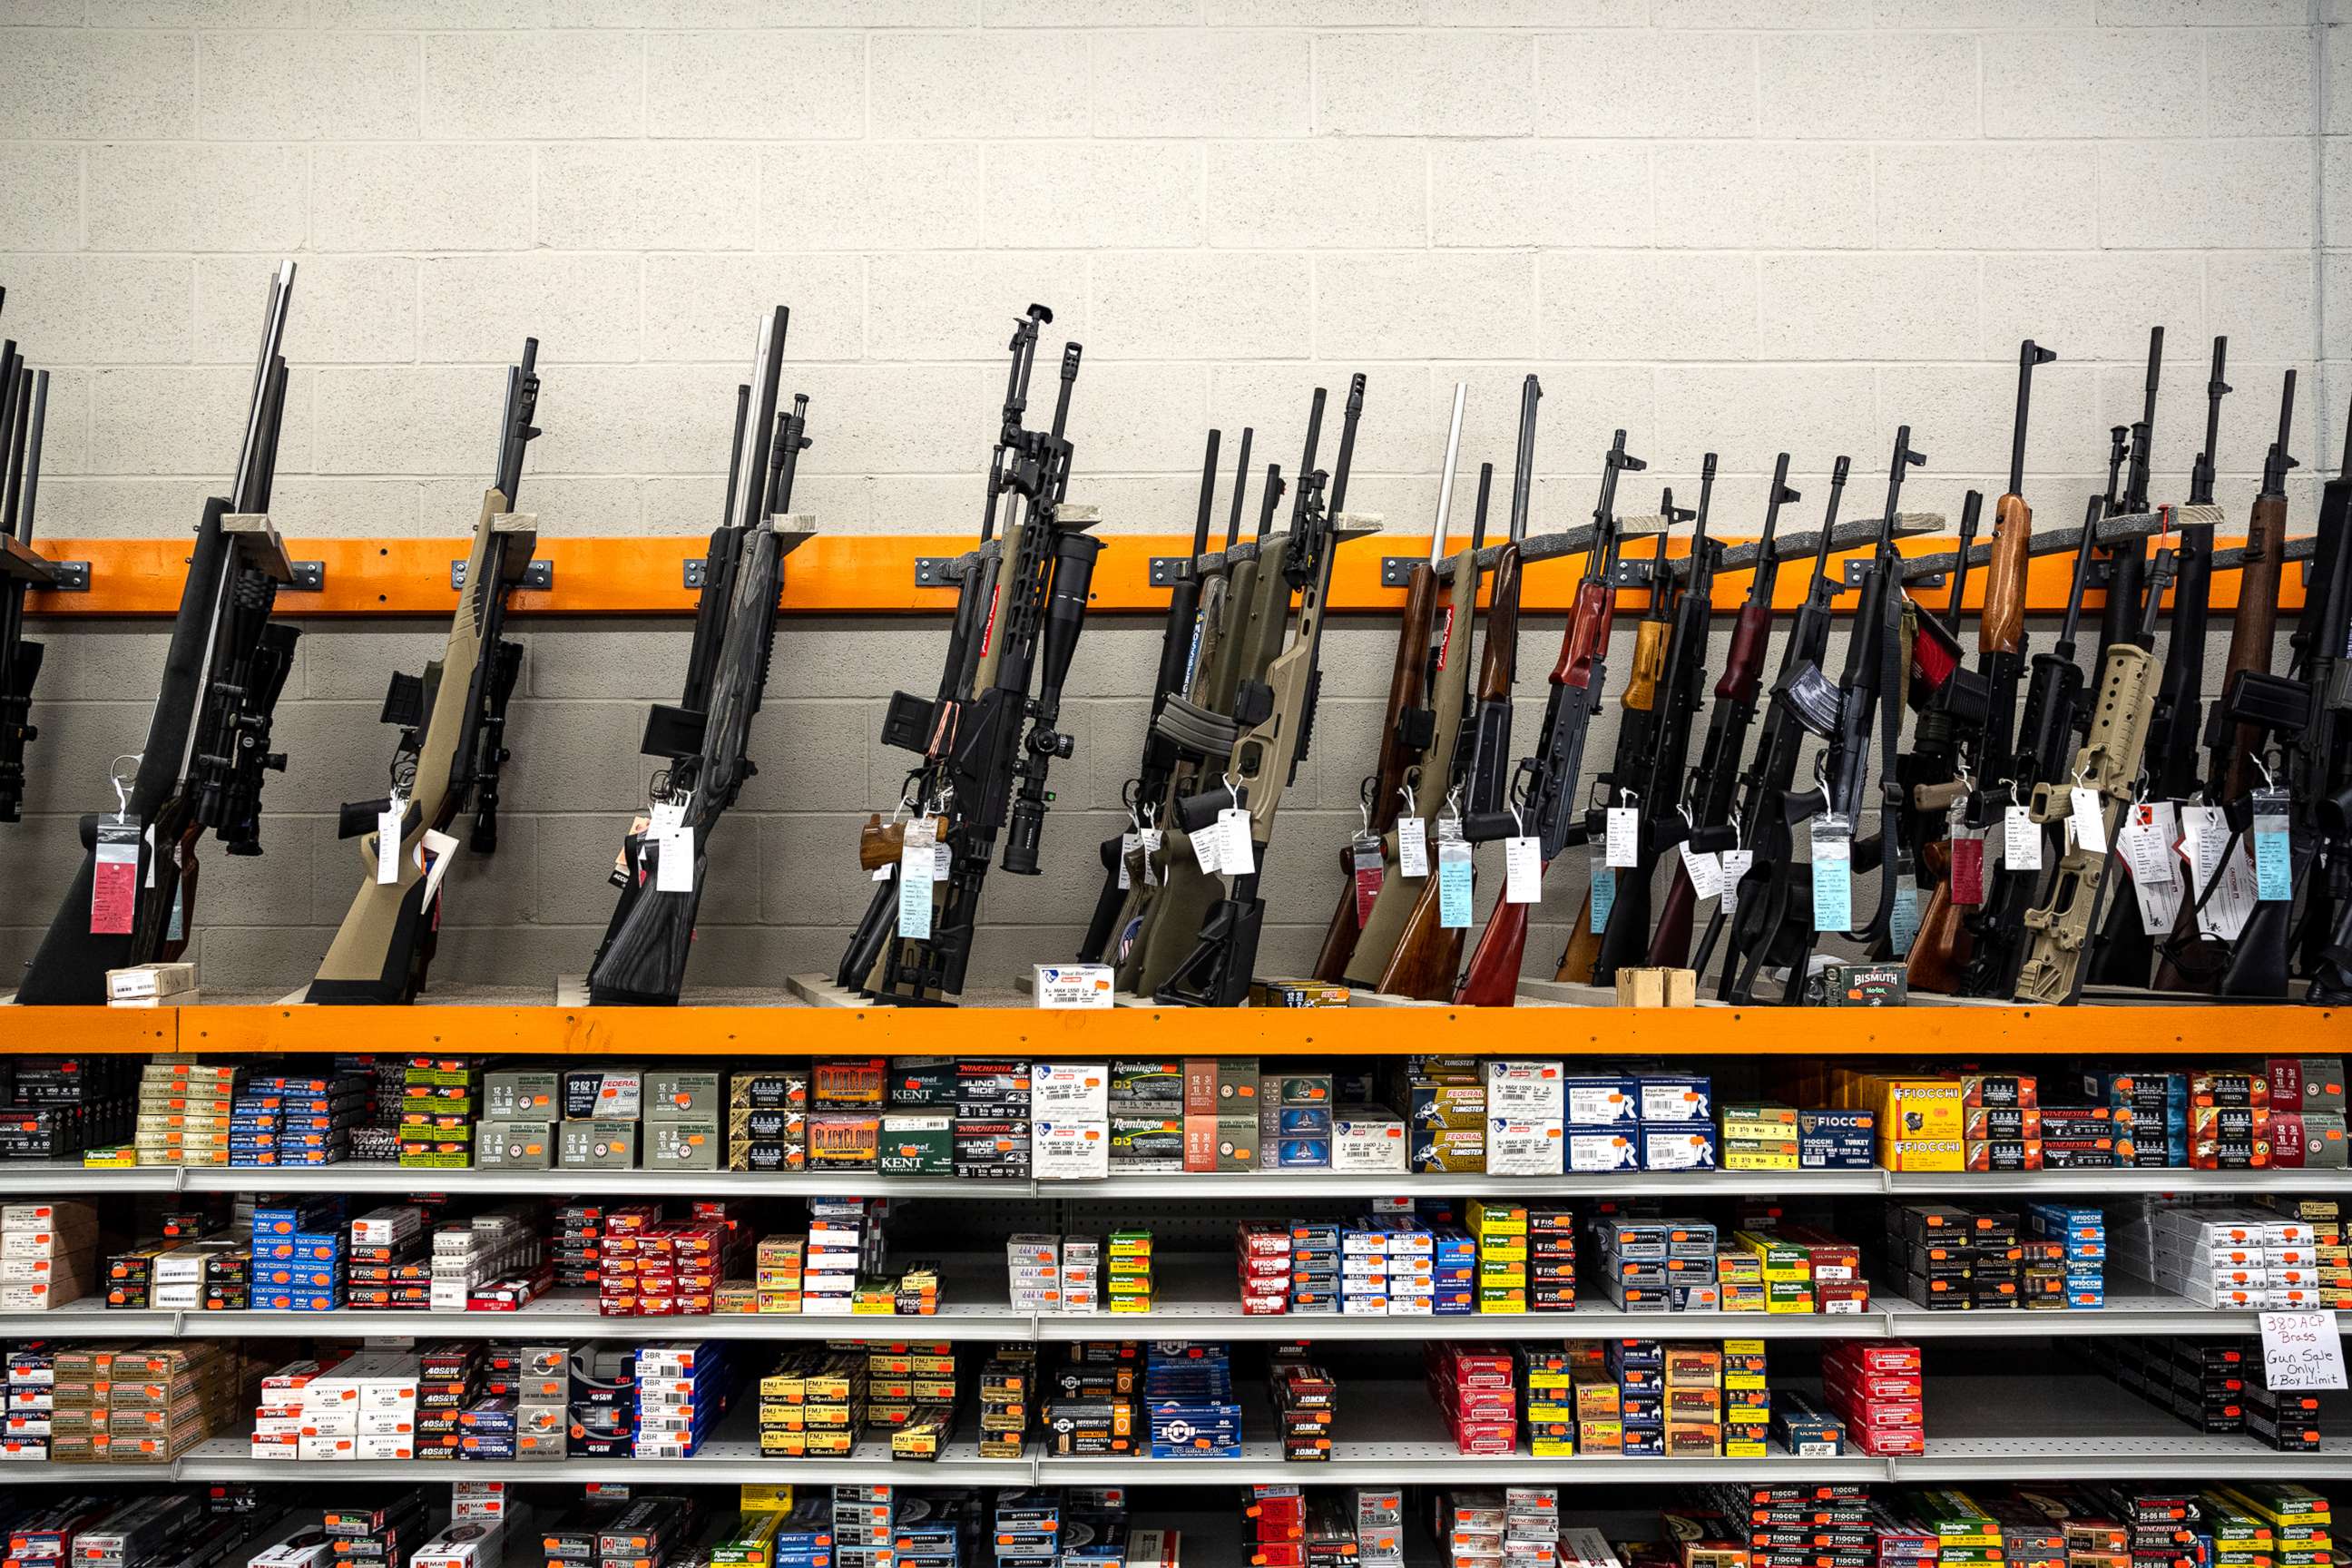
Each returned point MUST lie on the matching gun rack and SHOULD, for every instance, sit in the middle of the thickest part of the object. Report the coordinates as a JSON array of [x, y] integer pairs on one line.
[[258, 547], [783, 1024], [832, 574], [18, 561]]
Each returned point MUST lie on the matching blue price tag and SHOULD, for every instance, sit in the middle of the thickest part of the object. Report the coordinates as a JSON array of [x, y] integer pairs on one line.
[[1903, 920], [1604, 893], [1453, 884], [2273, 866], [1832, 874]]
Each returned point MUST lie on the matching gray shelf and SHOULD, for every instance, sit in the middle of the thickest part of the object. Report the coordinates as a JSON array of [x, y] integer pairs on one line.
[[2086, 1427]]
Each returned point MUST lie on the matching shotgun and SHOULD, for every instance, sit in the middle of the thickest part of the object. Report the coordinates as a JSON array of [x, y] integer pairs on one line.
[[449, 720], [1426, 689]]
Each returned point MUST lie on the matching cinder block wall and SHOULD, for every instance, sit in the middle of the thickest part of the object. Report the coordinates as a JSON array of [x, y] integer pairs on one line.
[[1722, 225]]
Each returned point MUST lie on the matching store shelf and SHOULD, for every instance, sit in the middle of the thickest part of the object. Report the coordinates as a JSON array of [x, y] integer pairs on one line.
[[68, 1178], [89, 1319], [2086, 1427], [503, 1024], [614, 1185]]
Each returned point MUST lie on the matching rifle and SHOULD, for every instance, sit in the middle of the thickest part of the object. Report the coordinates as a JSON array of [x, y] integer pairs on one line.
[[1637, 726], [1426, 963], [1663, 791], [1417, 743], [206, 746], [24, 413], [1178, 640], [2127, 558], [1161, 917], [450, 721], [1543, 786], [1709, 789], [2323, 782], [1216, 972], [1952, 702], [995, 751], [2108, 761], [705, 738], [1845, 715], [2231, 745]]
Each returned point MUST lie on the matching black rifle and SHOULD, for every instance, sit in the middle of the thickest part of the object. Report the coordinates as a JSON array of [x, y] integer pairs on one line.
[[1178, 640], [2127, 558], [2322, 780], [24, 411], [206, 743], [1275, 717], [451, 721], [706, 738], [1951, 701], [1663, 792], [995, 770]]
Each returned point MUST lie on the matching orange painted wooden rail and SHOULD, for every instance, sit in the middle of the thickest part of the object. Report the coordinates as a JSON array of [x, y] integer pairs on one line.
[[854, 574], [1963, 1031]]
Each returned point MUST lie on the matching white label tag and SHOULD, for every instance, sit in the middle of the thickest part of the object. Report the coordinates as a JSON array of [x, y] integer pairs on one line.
[[1736, 863], [1454, 893], [387, 841], [1706, 873], [433, 854], [674, 862], [1832, 874], [2302, 1349], [1153, 838], [1522, 871], [1129, 843], [2204, 832], [942, 862], [2148, 858], [1622, 844], [1238, 853], [2088, 809], [1903, 920], [1413, 847], [917, 853], [2236, 894], [2021, 839], [1208, 846], [883, 873]]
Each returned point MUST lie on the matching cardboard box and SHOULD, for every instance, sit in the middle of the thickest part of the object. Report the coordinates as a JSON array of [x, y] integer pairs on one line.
[[1657, 988], [597, 1144]]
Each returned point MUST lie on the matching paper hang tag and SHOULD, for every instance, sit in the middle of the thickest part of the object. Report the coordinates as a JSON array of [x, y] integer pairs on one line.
[[1967, 868], [1903, 920], [1366, 872], [2274, 867], [2302, 1351], [1622, 836], [1604, 893], [1453, 884], [1736, 864], [1522, 870], [388, 824], [1208, 846], [114, 880], [1413, 847], [1153, 837], [1130, 845], [942, 862], [2086, 808], [2235, 899], [1704, 871], [884, 872], [673, 861], [915, 893], [434, 858], [1238, 854], [2204, 834], [2142, 848], [1833, 838], [2021, 839]]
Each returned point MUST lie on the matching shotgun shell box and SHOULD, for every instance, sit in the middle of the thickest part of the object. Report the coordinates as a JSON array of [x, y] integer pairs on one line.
[[1288, 993], [1452, 1105], [1601, 1102], [1155, 1081], [682, 1144], [606, 1093], [1678, 1146], [849, 1081], [1149, 1142], [597, 1145], [1448, 1150], [843, 1140], [515, 1145], [1598, 1151], [675, 1096], [1222, 1087], [768, 1091], [1527, 1090], [917, 1143], [1862, 985], [1069, 1091], [521, 1096], [1674, 1097]]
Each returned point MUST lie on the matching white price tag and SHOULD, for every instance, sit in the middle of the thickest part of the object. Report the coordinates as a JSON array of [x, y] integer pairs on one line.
[[1832, 873], [1522, 871], [2088, 809], [917, 852], [2302, 1349], [2021, 839], [1129, 843], [433, 853], [674, 867], [2148, 858], [1413, 847], [1736, 863], [1152, 839], [942, 862], [387, 840], [1207, 846], [1238, 853], [1706, 871], [1453, 890], [1621, 846]]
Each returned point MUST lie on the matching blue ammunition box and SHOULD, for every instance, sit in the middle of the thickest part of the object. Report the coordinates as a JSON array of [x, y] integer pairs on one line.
[[1303, 1120], [1303, 1154]]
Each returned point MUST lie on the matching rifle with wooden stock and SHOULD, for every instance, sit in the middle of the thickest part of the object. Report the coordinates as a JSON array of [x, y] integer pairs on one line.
[[207, 749], [23, 415], [1266, 753], [1179, 637], [1542, 796], [2323, 779], [1952, 703], [1714, 782], [1427, 962], [1427, 690], [451, 720], [705, 739]]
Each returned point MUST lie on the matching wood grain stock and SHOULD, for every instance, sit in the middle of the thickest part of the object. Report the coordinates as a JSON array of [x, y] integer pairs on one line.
[[1499, 660], [1743, 663], [1940, 952], [1583, 948], [2001, 628], [1428, 956], [1670, 943], [2252, 629], [1493, 978]]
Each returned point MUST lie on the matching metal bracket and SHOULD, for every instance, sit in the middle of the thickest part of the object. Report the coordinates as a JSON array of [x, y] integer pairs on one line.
[[1396, 571], [308, 577], [692, 574], [1631, 573], [937, 571], [18, 561], [1167, 571], [258, 544], [539, 575]]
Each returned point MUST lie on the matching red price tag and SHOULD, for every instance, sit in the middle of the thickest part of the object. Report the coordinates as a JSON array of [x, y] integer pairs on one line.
[[1968, 868], [114, 880]]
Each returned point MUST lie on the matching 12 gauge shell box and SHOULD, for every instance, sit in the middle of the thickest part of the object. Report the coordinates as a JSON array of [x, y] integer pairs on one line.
[[515, 1145], [1156, 1082], [768, 1091], [1221, 1085], [597, 1144], [917, 1143], [674, 1096], [521, 1096], [1862, 985], [682, 1144], [606, 1093]]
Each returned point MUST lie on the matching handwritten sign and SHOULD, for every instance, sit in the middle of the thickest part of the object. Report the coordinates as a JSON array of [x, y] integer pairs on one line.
[[2302, 1349]]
